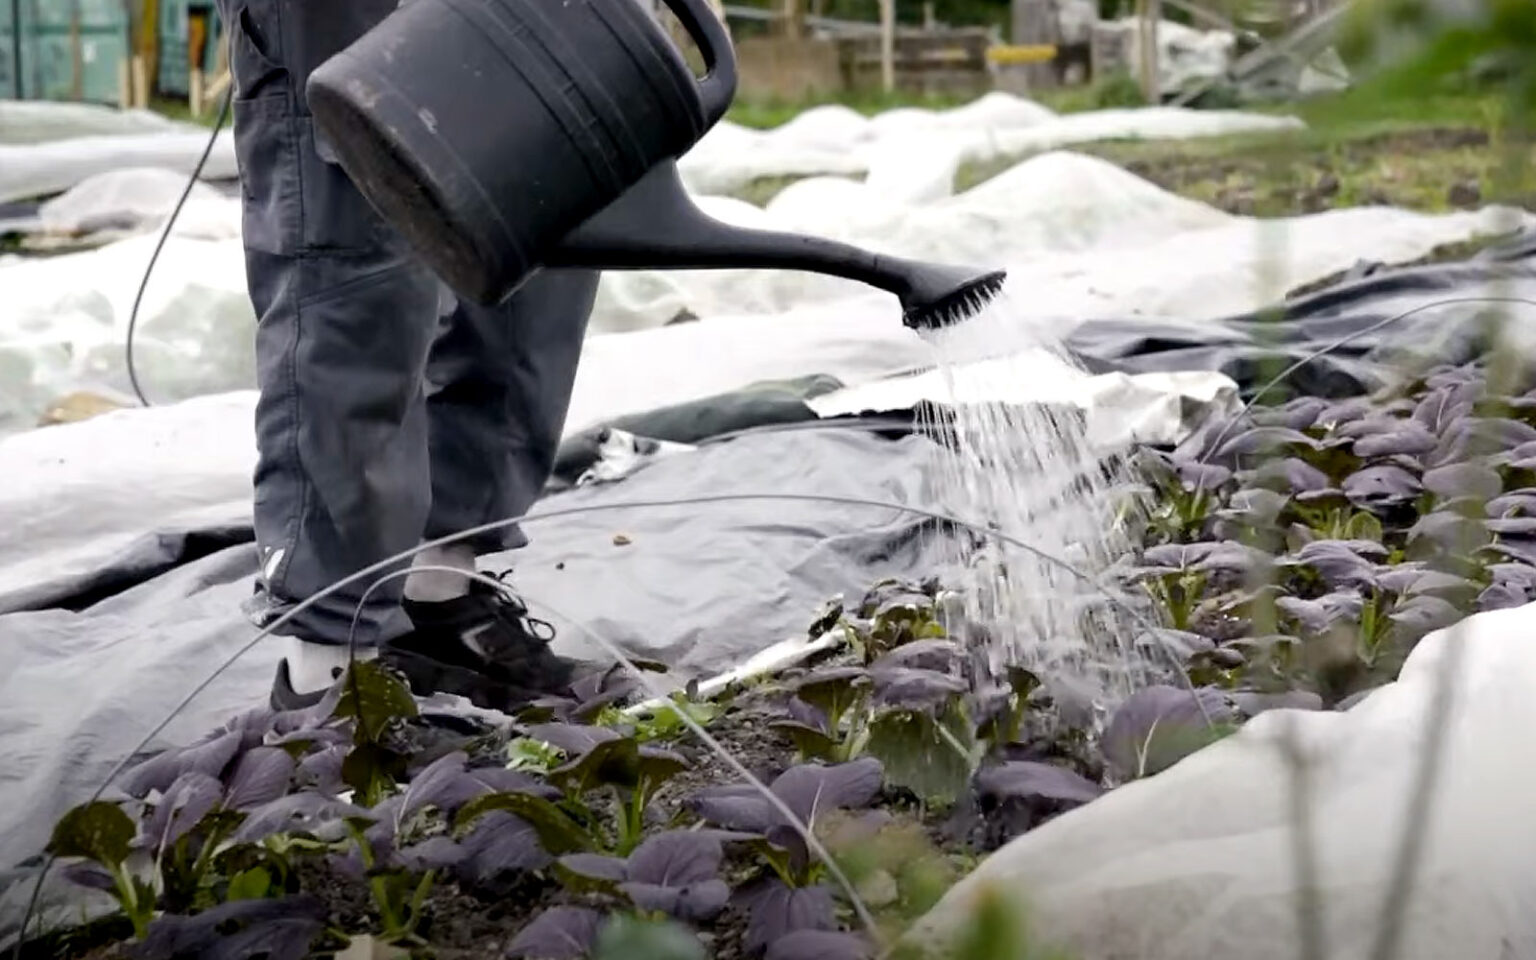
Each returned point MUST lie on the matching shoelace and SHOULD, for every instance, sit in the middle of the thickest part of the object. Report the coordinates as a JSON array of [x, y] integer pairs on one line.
[[514, 612]]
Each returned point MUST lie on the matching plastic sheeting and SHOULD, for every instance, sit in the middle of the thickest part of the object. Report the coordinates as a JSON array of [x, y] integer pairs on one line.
[[1081, 238], [1199, 861]]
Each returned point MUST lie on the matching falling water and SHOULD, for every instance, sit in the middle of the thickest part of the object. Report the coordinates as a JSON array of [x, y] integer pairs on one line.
[[1028, 469]]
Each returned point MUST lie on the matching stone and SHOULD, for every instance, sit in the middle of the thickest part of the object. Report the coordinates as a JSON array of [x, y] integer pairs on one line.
[[1465, 193], [1197, 861]]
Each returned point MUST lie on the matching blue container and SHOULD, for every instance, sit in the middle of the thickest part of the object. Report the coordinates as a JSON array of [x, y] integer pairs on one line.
[[63, 49]]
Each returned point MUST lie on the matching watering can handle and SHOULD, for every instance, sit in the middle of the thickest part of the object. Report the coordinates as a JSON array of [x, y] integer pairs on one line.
[[718, 86]]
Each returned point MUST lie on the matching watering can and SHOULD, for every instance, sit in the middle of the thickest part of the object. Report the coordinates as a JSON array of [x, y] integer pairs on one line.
[[502, 136]]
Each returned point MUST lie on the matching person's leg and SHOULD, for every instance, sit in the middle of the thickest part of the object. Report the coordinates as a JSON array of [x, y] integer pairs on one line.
[[500, 381], [346, 317]]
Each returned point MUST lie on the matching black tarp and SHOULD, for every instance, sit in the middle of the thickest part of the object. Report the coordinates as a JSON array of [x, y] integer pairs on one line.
[[696, 586]]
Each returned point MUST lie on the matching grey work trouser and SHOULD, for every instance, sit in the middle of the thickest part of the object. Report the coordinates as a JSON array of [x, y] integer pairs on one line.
[[387, 412]]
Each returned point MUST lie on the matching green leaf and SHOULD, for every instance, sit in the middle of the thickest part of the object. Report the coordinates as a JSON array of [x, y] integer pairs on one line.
[[526, 753], [251, 884], [811, 743], [627, 937], [375, 698], [613, 763], [917, 755], [99, 830], [1363, 526], [557, 831], [373, 771]]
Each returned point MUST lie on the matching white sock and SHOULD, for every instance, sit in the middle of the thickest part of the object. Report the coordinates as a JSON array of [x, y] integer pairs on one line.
[[315, 666], [437, 586]]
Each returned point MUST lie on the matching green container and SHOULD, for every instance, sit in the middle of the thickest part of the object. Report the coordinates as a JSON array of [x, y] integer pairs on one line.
[[63, 49], [175, 72]]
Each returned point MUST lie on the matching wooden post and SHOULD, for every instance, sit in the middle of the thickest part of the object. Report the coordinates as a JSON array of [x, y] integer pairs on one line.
[[140, 83], [929, 20], [77, 57], [149, 46], [124, 85], [793, 24], [1149, 13], [888, 45]]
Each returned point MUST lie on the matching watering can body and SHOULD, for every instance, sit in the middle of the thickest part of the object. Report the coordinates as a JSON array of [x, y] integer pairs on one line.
[[486, 131], [503, 136]]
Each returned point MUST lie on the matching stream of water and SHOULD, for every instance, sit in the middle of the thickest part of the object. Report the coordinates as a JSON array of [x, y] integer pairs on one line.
[[1028, 469]]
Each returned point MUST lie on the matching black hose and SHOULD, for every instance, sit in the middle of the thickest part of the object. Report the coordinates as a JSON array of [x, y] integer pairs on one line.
[[197, 172]]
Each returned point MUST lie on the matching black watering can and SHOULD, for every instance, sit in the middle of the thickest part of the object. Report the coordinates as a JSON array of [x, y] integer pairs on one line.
[[501, 136]]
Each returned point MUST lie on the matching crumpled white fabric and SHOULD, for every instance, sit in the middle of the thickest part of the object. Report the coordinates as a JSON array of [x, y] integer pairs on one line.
[[1197, 861]]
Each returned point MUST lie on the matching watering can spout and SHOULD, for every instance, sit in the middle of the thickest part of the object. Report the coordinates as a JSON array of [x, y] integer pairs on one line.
[[656, 225]]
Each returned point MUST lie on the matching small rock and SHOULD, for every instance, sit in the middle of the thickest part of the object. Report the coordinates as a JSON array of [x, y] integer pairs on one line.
[[1327, 185], [1467, 193], [621, 540]]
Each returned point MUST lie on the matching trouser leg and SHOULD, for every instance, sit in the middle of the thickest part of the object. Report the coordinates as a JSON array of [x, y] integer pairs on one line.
[[501, 380], [346, 318]]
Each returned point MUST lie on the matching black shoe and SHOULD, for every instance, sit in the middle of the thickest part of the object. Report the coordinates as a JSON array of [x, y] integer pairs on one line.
[[484, 647]]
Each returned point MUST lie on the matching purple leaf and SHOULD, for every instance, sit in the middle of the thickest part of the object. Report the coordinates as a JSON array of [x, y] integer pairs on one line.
[[500, 843], [1265, 440], [675, 858], [87, 874], [204, 935], [695, 903], [182, 807], [940, 655], [1293, 474], [775, 911], [1178, 643], [323, 769], [810, 789], [1252, 703], [1523, 452], [1463, 480], [298, 813], [1409, 439], [1336, 563], [1317, 616], [1512, 526], [597, 866], [1343, 411], [1158, 726], [819, 945], [734, 806], [1502, 596], [433, 853], [259, 777], [1448, 530], [287, 938], [1518, 574], [446, 786], [1423, 614], [574, 739], [559, 933], [1408, 579], [502, 780], [806, 715], [1026, 780], [1515, 501], [208, 756], [1380, 486], [910, 689]]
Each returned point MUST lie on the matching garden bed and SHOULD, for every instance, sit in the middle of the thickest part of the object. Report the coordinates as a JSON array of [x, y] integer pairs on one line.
[[1293, 556]]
